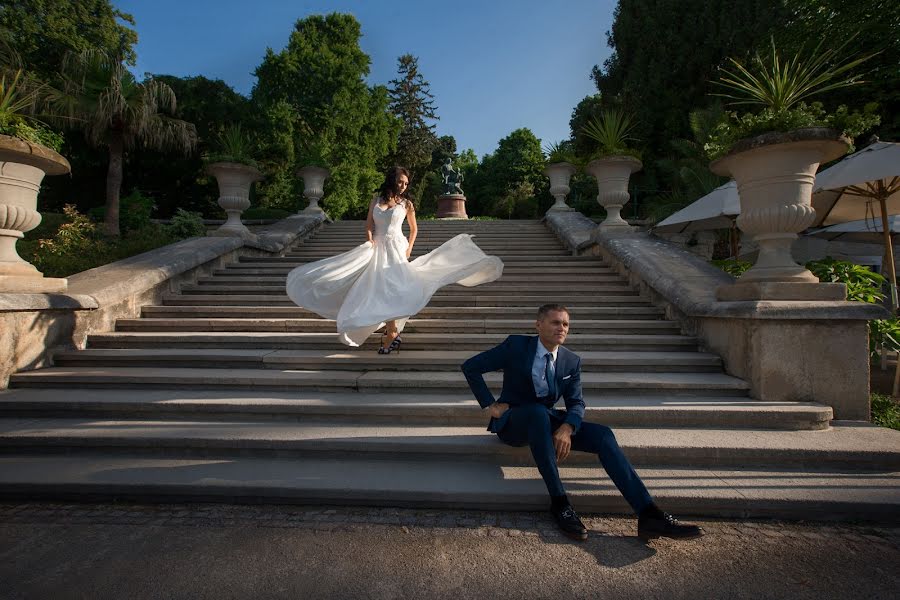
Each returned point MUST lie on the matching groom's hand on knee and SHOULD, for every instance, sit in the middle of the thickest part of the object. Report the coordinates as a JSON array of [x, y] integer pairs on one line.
[[562, 441], [497, 409]]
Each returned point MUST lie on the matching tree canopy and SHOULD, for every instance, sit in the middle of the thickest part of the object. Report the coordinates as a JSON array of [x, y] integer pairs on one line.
[[413, 104]]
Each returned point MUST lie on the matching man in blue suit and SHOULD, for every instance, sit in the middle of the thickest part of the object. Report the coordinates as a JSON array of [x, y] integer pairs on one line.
[[537, 370]]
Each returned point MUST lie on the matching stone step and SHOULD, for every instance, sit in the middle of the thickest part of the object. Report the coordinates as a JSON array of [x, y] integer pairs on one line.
[[582, 283], [530, 303], [626, 382], [416, 360], [470, 312], [422, 246], [483, 290], [696, 492], [510, 273], [452, 327], [475, 342], [520, 261], [675, 411], [506, 254], [866, 448]]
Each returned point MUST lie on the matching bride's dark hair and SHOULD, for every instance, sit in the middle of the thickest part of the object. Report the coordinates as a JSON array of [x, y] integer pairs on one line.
[[390, 187]]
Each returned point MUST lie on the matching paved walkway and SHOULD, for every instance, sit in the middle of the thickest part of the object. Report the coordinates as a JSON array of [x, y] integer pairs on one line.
[[119, 551]]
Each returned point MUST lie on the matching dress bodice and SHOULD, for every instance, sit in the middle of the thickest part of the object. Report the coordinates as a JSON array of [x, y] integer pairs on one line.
[[389, 221]]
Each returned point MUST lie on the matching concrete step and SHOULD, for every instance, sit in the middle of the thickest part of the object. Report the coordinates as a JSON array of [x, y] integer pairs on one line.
[[424, 360], [450, 290], [626, 382], [510, 273], [673, 411], [473, 312], [867, 448], [506, 254], [530, 302], [475, 342], [452, 327], [520, 261], [694, 492], [581, 283]]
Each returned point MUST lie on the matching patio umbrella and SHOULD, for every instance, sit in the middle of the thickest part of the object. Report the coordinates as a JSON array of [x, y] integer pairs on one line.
[[716, 210], [865, 185], [868, 230]]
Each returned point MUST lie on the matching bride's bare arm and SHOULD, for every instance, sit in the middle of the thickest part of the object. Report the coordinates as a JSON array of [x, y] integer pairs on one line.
[[413, 230], [370, 221]]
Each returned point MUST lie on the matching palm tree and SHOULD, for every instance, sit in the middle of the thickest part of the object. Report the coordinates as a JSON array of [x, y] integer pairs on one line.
[[102, 98]]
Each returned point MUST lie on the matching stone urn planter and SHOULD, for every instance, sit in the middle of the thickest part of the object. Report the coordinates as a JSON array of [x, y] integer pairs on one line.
[[313, 186], [560, 173], [775, 173], [612, 174], [234, 180], [23, 166]]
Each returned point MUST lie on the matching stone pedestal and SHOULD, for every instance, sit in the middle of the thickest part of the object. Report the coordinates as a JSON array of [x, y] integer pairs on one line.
[[775, 174], [234, 180], [451, 206], [23, 166]]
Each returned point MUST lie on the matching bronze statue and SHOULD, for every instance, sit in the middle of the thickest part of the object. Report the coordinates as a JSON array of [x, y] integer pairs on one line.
[[452, 178]]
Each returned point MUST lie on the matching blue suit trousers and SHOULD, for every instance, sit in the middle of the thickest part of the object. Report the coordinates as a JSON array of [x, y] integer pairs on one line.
[[533, 425]]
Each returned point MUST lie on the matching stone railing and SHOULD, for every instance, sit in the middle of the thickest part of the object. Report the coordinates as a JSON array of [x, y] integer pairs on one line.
[[786, 350], [34, 326]]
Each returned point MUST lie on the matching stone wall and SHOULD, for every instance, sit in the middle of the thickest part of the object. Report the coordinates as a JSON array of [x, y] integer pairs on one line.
[[34, 326], [785, 350]]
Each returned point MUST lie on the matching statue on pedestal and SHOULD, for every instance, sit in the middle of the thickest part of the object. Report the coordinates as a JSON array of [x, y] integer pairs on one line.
[[452, 179]]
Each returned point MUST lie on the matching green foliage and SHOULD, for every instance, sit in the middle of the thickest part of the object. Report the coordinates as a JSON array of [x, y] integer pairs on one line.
[[557, 152], [885, 411], [612, 132], [883, 333], [412, 103], [44, 31], [316, 85], [18, 97], [778, 82], [186, 224], [136, 209], [732, 266], [233, 145], [735, 127], [863, 285], [259, 212]]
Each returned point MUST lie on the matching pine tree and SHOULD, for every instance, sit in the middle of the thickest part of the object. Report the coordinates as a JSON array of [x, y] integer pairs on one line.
[[412, 102]]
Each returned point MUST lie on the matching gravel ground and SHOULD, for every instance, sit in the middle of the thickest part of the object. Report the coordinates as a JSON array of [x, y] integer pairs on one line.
[[126, 551]]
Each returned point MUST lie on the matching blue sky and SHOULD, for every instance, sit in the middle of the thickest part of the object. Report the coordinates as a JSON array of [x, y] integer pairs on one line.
[[493, 65]]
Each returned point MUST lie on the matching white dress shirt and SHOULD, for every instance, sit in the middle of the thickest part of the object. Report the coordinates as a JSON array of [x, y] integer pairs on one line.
[[539, 369]]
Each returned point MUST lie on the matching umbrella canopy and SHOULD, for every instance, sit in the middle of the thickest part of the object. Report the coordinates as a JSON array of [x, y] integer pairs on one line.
[[849, 190], [716, 210], [865, 185], [868, 230]]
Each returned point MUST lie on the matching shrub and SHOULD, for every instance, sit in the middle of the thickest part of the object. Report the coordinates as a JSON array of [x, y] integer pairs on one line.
[[733, 266], [885, 411], [186, 224], [134, 211]]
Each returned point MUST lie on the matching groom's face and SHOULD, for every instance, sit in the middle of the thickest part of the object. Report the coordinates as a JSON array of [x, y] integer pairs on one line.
[[553, 328]]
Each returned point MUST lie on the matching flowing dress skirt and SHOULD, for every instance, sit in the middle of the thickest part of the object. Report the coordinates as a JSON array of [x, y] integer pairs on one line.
[[363, 288]]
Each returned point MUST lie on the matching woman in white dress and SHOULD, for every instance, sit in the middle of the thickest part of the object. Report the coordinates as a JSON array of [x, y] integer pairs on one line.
[[375, 285]]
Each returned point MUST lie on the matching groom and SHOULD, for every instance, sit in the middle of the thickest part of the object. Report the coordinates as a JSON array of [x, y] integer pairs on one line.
[[536, 371]]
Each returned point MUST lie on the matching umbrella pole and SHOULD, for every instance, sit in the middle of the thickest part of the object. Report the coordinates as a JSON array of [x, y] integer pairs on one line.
[[892, 272]]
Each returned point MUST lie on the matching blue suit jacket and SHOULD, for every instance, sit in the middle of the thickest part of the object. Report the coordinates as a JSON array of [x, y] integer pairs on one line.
[[515, 356]]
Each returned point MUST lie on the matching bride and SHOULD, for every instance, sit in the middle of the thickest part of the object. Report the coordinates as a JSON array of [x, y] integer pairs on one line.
[[375, 285]]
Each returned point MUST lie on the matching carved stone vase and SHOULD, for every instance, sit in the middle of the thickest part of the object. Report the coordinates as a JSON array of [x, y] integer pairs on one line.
[[612, 174], [775, 173], [23, 166], [313, 186], [559, 173], [235, 180]]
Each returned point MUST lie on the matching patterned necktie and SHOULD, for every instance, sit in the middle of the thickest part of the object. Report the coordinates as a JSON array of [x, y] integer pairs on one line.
[[551, 379]]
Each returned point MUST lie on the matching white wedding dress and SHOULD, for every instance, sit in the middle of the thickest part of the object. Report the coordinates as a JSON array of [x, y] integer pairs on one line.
[[371, 284]]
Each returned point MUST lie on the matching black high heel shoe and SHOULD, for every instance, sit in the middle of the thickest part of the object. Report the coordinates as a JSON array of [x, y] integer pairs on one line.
[[394, 345]]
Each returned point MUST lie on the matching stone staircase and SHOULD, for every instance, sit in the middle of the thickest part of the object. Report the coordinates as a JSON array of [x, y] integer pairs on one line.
[[229, 392]]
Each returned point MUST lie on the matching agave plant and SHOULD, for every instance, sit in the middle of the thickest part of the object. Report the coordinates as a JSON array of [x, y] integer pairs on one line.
[[233, 146], [19, 97], [557, 152], [780, 83], [612, 131]]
